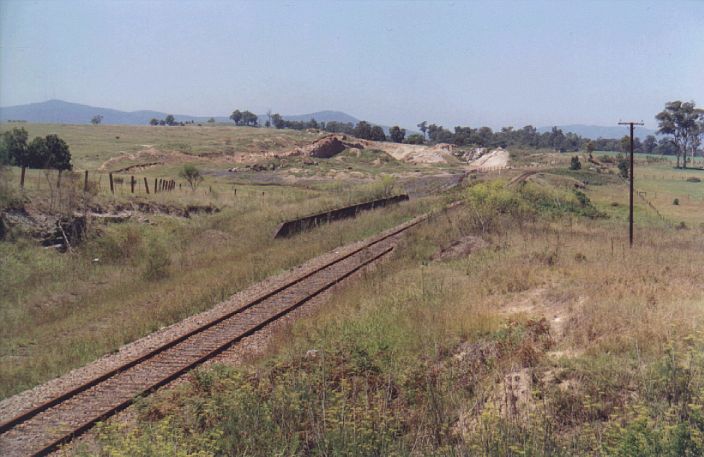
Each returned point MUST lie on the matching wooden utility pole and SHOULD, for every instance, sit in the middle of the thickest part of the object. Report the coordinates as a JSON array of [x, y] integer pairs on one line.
[[632, 125]]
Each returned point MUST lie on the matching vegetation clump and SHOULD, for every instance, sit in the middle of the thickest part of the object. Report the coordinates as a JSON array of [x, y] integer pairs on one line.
[[575, 164], [192, 176]]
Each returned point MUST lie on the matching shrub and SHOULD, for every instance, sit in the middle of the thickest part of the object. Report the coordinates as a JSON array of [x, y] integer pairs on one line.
[[676, 201], [192, 176], [575, 164], [157, 263], [623, 168], [117, 244], [693, 179], [489, 200]]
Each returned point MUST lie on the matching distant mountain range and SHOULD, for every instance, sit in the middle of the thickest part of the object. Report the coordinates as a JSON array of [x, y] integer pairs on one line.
[[61, 112]]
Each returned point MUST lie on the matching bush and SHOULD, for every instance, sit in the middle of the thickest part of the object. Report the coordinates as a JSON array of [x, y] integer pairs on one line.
[[117, 244], [192, 176], [157, 263], [676, 201], [575, 164], [623, 168], [489, 200], [693, 179]]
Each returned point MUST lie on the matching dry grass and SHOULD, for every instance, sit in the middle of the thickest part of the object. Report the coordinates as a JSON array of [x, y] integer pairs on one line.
[[415, 359], [60, 311]]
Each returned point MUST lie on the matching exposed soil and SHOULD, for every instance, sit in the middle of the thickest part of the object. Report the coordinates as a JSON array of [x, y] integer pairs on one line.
[[498, 158]]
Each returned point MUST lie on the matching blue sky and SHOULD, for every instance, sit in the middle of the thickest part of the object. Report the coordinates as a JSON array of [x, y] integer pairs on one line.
[[454, 63]]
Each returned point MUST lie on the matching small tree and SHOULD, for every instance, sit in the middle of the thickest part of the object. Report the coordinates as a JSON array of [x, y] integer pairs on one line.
[[590, 148], [681, 121], [236, 116], [154, 121], [14, 145], [623, 168], [170, 120], [575, 164], [278, 121], [97, 119], [211, 120], [423, 126], [37, 153], [416, 138], [59, 156], [397, 134], [377, 134], [192, 176]]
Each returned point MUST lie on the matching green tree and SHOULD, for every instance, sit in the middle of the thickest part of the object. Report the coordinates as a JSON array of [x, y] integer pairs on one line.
[[154, 121], [170, 120], [623, 168], [397, 134], [14, 146], [626, 144], [680, 120], [363, 130], [37, 153], [277, 121], [423, 126], [249, 118], [649, 144], [236, 116], [192, 176], [377, 134], [97, 119], [415, 138], [58, 153]]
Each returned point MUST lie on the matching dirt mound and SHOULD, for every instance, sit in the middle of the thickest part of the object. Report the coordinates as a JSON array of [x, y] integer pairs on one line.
[[417, 154], [331, 145], [498, 158], [325, 147], [460, 248]]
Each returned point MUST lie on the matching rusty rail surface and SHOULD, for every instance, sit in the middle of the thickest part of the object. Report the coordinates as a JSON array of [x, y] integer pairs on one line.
[[41, 429], [289, 228]]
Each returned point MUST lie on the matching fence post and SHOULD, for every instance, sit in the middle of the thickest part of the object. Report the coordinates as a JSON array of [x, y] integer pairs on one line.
[[58, 180], [132, 181], [155, 188], [22, 177], [146, 185], [85, 182], [112, 187]]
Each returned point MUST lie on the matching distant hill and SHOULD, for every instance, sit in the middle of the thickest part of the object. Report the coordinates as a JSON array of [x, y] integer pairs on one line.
[[61, 112], [597, 131]]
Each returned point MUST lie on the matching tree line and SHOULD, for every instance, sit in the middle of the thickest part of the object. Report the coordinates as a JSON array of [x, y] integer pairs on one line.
[[680, 123], [526, 137], [42, 152]]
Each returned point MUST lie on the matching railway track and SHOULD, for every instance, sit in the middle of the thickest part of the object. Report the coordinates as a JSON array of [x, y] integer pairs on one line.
[[42, 429]]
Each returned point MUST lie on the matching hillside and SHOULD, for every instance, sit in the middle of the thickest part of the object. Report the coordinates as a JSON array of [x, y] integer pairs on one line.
[[62, 112]]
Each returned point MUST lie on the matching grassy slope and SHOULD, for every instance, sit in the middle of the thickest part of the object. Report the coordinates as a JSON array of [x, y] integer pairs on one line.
[[556, 340], [60, 311], [92, 145]]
